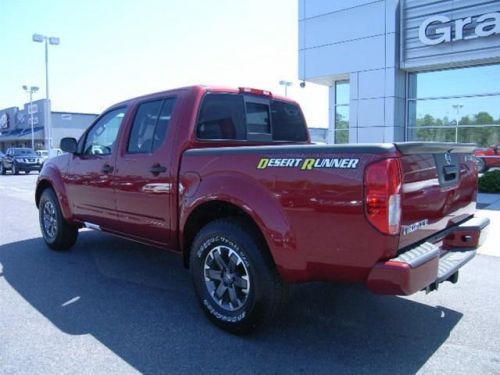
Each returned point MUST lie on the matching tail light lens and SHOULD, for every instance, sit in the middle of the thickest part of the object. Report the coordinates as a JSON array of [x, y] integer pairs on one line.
[[383, 195], [248, 90]]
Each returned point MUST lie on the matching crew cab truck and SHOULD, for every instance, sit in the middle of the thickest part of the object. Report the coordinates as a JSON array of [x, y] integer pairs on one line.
[[229, 180]]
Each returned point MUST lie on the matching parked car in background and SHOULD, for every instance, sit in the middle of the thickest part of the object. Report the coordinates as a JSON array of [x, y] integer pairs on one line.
[[488, 157], [1, 155], [46, 154], [20, 159], [42, 154]]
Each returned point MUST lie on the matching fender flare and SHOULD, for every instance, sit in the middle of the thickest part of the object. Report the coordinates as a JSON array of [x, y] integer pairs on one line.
[[258, 203], [52, 178]]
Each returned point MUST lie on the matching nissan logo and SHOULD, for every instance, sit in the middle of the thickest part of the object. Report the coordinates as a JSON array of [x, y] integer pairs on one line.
[[447, 157]]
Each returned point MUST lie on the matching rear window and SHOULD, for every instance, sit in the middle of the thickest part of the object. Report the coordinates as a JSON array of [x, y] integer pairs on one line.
[[238, 117], [288, 123], [258, 120]]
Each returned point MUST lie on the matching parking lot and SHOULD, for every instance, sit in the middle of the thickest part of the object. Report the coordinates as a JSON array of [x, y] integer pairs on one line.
[[112, 306]]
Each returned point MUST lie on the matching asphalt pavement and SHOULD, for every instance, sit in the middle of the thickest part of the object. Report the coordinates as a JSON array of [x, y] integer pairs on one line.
[[115, 307]]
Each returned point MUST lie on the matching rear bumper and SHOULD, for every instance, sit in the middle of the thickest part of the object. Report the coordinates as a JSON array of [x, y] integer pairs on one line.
[[429, 264]]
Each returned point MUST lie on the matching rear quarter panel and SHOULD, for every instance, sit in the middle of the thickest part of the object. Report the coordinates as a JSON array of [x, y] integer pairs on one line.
[[312, 218]]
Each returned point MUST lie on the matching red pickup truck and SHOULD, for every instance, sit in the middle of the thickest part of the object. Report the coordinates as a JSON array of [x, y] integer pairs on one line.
[[229, 180]]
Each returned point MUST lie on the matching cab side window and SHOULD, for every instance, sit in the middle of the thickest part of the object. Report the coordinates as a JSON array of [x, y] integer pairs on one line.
[[150, 126], [222, 116], [101, 138]]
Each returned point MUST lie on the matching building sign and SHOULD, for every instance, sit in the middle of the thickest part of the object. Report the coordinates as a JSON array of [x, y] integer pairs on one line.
[[33, 108], [441, 29], [35, 120], [448, 33], [4, 121]]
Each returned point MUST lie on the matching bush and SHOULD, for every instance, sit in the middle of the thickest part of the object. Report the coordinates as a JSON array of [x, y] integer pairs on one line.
[[490, 182]]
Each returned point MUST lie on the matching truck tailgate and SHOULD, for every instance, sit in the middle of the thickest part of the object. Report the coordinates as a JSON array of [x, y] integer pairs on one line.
[[439, 188]]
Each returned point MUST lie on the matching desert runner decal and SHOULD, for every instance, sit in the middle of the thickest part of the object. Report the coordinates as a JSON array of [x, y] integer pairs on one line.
[[308, 164]]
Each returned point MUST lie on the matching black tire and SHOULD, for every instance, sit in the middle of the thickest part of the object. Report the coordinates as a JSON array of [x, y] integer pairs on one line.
[[2, 169], [15, 170], [254, 291], [57, 232], [27, 172]]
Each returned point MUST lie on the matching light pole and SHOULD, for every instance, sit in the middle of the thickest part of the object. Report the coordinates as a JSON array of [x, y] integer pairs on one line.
[[457, 107], [38, 38], [31, 90], [286, 84]]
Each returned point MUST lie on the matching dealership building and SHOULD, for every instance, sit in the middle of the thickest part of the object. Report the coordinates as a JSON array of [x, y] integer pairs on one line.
[[405, 70], [16, 129]]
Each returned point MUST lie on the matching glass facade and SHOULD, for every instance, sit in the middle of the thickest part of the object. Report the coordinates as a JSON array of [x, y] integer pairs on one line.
[[457, 105], [342, 111]]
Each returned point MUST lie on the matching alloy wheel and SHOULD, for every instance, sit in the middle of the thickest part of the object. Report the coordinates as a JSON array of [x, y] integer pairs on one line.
[[227, 278], [49, 219]]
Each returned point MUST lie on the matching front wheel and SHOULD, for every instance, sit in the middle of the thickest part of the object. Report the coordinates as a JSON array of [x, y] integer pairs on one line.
[[15, 170], [235, 280], [57, 232], [2, 169]]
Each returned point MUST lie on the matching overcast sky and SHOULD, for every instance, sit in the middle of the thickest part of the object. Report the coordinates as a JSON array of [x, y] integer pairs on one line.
[[116, 49]]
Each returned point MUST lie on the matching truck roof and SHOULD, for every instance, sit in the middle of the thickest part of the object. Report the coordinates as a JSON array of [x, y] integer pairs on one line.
[[200, 89]]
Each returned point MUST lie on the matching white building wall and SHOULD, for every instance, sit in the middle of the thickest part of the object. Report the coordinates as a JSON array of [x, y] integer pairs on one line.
[[356, 40]]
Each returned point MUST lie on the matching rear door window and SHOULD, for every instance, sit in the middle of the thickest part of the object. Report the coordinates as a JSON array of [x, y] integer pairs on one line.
[[150, 126], [141, 135]]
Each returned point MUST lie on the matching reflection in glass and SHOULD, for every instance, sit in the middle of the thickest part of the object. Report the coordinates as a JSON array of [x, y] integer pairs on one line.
[[481, 135], [341, 117], [477, 80], [342, 112], [342, 92], [459, 105], [341, 136], [464, 111]]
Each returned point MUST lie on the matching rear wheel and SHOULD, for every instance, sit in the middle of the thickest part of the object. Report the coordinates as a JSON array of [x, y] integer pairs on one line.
[[235, 280], [27, 172], [2, 169], [57, 232]]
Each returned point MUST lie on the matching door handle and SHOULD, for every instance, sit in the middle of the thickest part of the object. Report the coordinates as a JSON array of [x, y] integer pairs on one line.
[[157, 169], [106, 168]]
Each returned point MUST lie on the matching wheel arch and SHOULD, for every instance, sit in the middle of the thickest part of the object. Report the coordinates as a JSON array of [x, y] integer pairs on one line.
[[210, 211], [40, 187], [58, 187]]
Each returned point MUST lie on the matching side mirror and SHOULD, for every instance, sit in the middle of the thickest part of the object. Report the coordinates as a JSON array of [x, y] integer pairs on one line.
[[69, 145]]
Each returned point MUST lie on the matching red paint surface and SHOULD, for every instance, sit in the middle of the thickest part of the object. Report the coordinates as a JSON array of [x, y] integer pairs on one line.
[[313, 221]]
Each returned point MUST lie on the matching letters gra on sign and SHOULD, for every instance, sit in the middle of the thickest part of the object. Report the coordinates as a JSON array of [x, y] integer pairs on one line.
[[486, 25]]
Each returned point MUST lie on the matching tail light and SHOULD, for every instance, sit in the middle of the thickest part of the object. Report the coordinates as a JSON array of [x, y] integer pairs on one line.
[[248, 90], [383, 195]]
